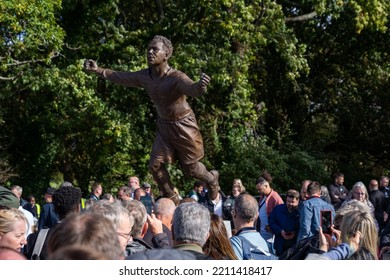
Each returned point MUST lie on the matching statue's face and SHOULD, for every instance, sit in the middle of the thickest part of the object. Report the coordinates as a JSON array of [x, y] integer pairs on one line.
[[156, 53]]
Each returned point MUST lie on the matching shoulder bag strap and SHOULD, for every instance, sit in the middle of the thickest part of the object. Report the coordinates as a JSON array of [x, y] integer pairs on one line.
[[39, 243]]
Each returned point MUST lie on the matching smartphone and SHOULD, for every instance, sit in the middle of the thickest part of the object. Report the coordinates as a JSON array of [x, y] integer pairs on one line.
[[326, 221]]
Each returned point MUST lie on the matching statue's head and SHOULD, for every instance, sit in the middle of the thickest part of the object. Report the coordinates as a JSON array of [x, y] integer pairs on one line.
[[166, 43]]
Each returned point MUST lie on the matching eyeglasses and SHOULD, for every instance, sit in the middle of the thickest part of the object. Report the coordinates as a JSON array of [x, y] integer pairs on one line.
[[126, 236], [359, 193]]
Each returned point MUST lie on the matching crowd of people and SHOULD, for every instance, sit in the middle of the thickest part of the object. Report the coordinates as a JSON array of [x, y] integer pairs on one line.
[[237, 226]]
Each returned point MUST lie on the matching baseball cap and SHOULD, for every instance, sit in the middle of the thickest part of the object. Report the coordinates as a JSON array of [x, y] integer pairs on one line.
[[50, 191]]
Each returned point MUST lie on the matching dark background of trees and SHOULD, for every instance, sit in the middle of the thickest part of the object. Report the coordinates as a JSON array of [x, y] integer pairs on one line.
[[298, 88]]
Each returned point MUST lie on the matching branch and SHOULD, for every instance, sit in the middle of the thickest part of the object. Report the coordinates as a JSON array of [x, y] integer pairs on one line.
[[18, 63], [301, 18], [72, 48]]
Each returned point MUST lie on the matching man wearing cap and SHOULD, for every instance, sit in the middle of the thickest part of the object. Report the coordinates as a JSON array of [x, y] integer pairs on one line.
[[48, 217], [148, 191]]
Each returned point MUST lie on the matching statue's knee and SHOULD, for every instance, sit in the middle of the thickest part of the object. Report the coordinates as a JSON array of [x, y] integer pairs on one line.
[[190, 170], [154, 167]]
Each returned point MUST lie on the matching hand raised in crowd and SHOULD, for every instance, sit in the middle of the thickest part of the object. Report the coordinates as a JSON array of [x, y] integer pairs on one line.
[[328, 241], [154, 224]]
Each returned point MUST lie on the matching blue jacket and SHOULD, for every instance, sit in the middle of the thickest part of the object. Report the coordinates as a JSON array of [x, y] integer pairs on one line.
[[310, 216], [281, 219]]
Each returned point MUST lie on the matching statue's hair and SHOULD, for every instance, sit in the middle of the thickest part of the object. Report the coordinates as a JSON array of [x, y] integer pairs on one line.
[[168, 48]]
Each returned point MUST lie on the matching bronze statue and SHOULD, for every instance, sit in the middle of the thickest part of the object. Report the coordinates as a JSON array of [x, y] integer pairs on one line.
[[178, 133]]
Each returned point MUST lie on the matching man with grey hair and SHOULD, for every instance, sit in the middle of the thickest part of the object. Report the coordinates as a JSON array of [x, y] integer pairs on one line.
[[121, 218], [245, 213], [163, 209], [140, 227], [190, 228]]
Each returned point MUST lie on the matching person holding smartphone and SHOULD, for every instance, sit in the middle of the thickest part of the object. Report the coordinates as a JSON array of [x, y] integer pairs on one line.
[[310, 211]]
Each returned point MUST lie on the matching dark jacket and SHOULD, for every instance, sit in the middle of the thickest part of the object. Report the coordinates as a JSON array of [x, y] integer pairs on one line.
[[206, 201], [139, 245], [281, 219], [148, 238], [48, 217]]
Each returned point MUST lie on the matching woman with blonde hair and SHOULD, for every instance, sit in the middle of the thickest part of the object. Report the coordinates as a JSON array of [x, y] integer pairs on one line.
[[13, 229], [363, 222]]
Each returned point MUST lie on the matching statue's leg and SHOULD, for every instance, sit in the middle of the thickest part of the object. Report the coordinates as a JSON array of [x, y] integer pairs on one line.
[[198, 170], [162, 178]]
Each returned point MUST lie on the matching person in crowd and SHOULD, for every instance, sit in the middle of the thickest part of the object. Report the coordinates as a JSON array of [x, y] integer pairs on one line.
[[190, 227], [339, 252], [7, 253], [125, 193], [311, 245], [218, 245], [109, 197], [310, 212], [178, 135], [120, 217], [140, 195], [148, 191], [13, 228], [66, 200], [284, 222], [269, 198], [214, 205], [88, 229], [134, 183], [337, 191], [18, 191], [33, 207], [48, 217], [163, 209], [378, 200], [325, 194], [31, 221], [244, 215], [303, 191], [198, 191], [140, 227], [96, 191], [359, 192], [384, 241], [358, 222], [237, 189], [384, 187]]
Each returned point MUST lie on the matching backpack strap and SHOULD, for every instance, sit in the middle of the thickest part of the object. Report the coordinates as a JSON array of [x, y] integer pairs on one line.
[[39, 243], [247, 246]]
